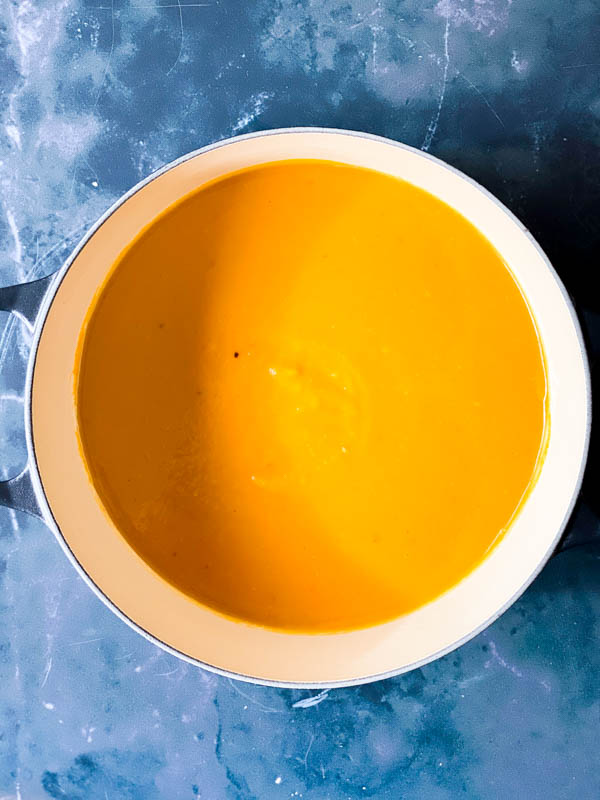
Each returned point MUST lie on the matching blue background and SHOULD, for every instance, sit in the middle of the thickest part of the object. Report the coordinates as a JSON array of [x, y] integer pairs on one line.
[[94, 95]]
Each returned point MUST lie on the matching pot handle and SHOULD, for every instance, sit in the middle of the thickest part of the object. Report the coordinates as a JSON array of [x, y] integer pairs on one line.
[[582, 529], [18, 493], [24, 301]]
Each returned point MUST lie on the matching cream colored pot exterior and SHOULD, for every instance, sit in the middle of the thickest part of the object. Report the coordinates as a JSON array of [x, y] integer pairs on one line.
[[72, 508]]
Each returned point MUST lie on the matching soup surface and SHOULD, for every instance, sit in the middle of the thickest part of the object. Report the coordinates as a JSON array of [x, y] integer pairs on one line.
[[311, 396]]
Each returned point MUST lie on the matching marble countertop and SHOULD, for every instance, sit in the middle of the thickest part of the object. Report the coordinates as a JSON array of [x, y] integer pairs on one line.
[[96, 94]]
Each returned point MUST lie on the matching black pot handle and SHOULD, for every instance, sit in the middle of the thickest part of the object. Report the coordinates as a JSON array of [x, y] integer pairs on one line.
[[583, 528], [24, 301], [18, 493]]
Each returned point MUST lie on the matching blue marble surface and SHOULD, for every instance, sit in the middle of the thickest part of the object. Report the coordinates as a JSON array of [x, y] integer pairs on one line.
[[96, 94]]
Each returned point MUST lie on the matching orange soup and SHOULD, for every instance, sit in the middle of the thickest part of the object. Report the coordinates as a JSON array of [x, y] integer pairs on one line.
[[311, 396]]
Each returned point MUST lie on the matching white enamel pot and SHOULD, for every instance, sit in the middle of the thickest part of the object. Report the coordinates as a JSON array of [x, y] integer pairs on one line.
[[56, 486]]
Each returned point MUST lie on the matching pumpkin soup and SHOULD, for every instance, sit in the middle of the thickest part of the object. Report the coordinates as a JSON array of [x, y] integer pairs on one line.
[[311, 396]]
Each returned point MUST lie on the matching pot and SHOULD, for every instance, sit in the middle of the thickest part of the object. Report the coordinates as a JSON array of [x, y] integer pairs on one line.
[[55, 485]]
